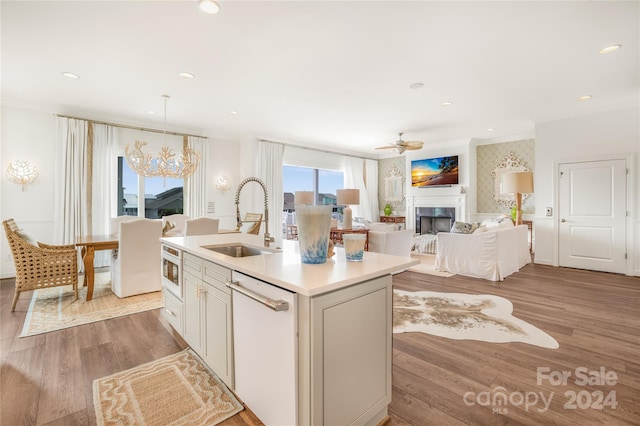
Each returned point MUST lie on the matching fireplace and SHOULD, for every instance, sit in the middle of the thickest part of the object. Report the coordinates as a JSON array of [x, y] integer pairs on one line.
[[431, 220]]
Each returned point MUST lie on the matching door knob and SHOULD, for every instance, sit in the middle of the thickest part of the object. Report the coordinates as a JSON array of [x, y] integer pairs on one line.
[[563, 220]]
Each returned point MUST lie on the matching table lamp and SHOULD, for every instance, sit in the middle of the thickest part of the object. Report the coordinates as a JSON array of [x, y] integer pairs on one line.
[[303, 197], [518, 183], [348, 197]]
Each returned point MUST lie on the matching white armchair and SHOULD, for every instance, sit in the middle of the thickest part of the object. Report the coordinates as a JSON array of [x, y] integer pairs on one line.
[[383, 238], [135, 268], [179, 221], [201, 226]]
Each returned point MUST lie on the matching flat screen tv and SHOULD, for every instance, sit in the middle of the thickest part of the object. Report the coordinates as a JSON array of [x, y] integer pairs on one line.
[[439, 171]]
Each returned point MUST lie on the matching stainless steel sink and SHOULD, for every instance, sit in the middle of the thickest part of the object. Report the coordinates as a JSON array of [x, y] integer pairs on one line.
[[237, 250]]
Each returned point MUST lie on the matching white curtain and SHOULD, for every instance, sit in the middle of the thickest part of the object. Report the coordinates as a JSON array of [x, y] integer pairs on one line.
[[371, 182], [104, 203], [195, 186], [270, 172], [354, 179], [71, 199]]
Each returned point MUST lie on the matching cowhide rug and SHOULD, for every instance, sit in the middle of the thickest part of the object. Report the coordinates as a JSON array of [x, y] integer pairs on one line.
[[464, 317]]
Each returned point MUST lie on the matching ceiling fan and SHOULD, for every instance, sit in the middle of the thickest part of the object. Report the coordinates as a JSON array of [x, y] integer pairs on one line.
[[402, 146]]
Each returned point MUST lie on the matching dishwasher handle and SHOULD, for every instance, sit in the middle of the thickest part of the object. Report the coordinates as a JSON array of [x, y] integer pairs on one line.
[[276, 305]]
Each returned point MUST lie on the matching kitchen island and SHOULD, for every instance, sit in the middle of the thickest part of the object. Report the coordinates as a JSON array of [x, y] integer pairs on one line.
[[300, 344]]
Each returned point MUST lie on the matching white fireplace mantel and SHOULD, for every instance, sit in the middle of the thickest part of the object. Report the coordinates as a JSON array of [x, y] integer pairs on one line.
[[457, 201]]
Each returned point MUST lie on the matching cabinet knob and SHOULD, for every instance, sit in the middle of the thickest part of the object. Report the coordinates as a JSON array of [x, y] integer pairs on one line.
[[563, 220]]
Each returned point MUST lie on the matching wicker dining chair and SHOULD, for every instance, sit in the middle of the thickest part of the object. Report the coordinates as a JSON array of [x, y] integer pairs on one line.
[[42, 265]]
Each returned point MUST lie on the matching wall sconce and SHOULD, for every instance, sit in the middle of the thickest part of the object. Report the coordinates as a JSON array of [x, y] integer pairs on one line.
[[22, 172], [223, 182]]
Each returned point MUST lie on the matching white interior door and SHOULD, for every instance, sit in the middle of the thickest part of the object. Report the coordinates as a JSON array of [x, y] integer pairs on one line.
[[592, 215]]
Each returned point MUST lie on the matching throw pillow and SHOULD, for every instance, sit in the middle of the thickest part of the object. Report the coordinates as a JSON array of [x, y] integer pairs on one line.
[[28, 238], [480, 229], [496, 221], [464, 228], [168, 226]]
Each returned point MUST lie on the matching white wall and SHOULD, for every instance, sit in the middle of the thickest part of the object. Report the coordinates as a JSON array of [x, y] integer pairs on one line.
[[602, 134], [224, 158], [27, 135]]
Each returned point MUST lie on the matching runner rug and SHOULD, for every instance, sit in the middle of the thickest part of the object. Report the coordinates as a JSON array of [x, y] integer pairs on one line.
[[464, 317], [175, 390], [55, 308]]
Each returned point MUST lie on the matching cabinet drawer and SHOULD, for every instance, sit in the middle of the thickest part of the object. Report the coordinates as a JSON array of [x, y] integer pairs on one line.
[[217, 276], [173, 311], [192, 264]]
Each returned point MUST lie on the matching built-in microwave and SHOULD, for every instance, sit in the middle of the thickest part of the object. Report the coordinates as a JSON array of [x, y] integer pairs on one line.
[[172, 270]]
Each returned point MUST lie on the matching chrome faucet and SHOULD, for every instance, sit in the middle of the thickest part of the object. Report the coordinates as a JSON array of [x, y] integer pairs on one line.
[[267, 237]]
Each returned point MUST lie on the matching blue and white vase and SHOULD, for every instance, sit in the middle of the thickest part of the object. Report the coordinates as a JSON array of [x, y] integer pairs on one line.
[[314, 224]]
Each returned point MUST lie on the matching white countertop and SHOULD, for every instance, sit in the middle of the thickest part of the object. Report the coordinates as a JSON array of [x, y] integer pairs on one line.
[[284, 267]]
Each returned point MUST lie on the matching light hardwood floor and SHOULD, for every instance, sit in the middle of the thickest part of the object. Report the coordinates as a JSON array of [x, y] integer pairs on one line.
[[594, 316]]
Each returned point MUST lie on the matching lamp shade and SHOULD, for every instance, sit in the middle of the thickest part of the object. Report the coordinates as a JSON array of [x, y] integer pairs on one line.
[[517, 183], [303, 197], [348, 196]]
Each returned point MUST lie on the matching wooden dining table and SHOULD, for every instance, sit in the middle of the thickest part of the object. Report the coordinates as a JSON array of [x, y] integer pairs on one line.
[[89, 245]]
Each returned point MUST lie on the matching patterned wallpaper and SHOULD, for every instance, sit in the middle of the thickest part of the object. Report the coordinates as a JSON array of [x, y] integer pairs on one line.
[[487, 157], [384, 166]]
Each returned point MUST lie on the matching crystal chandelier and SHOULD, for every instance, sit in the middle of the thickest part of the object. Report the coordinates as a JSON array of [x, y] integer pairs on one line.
[[22, 172], [166, 164]]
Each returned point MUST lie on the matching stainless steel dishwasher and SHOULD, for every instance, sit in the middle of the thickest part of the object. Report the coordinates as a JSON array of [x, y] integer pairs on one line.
[[265, 348]]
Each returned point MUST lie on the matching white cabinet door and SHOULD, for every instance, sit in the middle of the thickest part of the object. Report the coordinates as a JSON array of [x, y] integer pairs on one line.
[[218, 339], [192, 322]]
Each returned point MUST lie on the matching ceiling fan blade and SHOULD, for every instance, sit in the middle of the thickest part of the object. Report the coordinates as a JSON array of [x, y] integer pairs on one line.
[[407, 143], [413, 147], [386, 147]]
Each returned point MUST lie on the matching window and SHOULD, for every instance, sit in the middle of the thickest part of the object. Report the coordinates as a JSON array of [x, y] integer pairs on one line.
[[161, 196], [322, 182]]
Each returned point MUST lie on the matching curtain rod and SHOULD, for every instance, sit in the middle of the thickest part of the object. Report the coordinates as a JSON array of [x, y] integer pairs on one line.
[[125, 126], [318, 150]]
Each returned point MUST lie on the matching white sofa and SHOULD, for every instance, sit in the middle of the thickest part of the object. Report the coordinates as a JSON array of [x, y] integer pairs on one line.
[[491, 253]]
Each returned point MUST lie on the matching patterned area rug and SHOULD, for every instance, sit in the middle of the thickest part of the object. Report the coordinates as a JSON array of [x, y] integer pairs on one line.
[[427, 265], [55, 308], [464, 317], [174, 390]]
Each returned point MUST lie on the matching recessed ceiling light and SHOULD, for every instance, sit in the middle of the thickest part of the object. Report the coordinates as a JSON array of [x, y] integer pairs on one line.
[[208, 6], [416, 86], [187, 75], [71, 75], [585, 97], [610, 49], [150, 112], [491, 129], [233, 112], [446, 103]]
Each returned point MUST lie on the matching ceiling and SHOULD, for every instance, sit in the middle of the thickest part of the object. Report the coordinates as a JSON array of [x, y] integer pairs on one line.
[[330, 74]]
